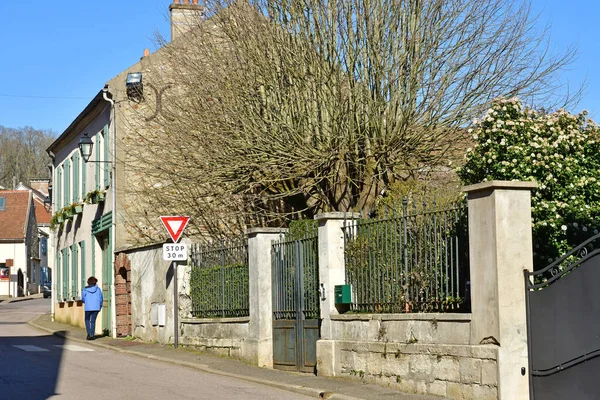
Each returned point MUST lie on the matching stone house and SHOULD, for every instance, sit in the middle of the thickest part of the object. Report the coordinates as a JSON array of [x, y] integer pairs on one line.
[[96, 209]]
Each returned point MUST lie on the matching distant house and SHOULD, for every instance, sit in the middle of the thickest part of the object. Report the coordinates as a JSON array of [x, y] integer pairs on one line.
[[19, 244], [40, 189]]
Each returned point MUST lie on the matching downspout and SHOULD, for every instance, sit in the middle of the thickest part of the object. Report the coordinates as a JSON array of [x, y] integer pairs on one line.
[[113, 227], [52, 244]]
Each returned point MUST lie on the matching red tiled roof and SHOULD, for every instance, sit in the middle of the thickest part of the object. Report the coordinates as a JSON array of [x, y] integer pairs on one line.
[[41, 215], [13, 218]]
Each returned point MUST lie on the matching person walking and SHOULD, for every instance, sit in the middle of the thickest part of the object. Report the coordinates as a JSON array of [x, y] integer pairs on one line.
[[92, 299]]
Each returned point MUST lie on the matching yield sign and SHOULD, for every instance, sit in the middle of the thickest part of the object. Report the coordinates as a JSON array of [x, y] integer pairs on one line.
[[175, 226]]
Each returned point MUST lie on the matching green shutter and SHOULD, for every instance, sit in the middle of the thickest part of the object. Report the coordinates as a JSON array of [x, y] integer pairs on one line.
[[106, 156], [74, 262], [83, 271], [58, 182], [93, 273], [65, 273], [57, 285], [97, 146], [83, 178], [75, 177], [67, 183]]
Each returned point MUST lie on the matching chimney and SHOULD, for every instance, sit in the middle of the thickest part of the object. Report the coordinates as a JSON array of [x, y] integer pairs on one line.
[[41, 185], [185, 15]]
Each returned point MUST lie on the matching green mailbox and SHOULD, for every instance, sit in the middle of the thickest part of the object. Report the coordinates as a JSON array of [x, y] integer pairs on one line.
[[343, 294]]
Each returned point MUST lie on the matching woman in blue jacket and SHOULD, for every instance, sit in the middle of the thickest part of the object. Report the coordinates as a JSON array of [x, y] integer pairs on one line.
[[92, 299]]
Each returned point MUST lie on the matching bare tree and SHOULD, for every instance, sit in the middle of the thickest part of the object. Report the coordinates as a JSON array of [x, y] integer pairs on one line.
[[282, 108], [23, 154]]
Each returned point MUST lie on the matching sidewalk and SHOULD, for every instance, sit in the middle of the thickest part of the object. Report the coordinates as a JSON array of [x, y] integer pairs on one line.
[[307, 384], [6, 299]]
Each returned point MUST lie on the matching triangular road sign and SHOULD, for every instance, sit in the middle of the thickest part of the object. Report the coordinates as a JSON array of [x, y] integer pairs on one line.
[[175, 226]]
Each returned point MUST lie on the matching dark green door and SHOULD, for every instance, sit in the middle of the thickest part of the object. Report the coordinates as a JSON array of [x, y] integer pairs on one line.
[[296, 312]]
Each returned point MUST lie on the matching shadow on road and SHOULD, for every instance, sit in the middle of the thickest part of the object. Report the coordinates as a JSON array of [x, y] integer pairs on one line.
[[30, 366]]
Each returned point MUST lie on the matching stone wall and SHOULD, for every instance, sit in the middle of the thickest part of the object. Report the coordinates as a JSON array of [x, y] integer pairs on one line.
[[415, 353], [221, 336]]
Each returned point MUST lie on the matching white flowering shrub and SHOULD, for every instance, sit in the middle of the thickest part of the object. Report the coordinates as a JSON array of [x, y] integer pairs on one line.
[[561, 152]]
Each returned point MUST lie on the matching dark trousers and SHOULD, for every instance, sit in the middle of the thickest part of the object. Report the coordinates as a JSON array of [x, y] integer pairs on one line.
[[90, 322]]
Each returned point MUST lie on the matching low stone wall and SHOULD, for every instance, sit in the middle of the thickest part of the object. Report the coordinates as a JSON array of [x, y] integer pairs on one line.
[[221, 336], [405, 328], [415, 353]]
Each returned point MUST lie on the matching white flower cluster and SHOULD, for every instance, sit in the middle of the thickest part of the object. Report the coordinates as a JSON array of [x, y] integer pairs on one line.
[[560, 151]]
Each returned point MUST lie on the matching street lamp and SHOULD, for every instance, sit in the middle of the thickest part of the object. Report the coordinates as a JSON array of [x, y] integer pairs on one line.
[[85, 147]]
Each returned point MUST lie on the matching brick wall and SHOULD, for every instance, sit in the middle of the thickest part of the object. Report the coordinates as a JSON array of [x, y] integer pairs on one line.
[[123, 295]]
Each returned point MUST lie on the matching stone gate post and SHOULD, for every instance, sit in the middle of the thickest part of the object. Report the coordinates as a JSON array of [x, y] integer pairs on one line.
[[332, 272], [260, 293], [500, 247]]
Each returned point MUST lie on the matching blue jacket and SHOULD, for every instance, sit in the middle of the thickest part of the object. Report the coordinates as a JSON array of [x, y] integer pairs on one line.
[[92, 298]]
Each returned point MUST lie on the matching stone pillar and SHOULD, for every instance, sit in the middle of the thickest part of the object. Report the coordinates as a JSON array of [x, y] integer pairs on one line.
[[261, 297], [331, 272], [500, 247]]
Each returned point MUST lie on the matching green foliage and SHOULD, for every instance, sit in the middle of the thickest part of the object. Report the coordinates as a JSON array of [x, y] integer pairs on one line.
[[220, 291], [561, 152], [412, 262]]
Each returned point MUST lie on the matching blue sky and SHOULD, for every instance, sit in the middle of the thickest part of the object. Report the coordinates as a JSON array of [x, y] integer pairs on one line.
[[56, 55]]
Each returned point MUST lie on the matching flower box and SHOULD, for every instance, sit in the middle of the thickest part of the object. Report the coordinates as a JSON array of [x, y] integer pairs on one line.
[[78, 209]]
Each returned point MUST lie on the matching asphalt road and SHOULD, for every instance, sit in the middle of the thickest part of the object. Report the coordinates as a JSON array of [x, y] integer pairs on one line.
[[35, 365]]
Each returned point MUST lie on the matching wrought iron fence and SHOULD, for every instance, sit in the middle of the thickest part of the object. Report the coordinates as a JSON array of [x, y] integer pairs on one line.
[[219, 279], [412, 260], [295, 269]]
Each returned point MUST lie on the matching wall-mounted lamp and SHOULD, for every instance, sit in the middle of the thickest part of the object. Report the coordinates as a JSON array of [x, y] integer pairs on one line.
[[134, 86], [85, 148]]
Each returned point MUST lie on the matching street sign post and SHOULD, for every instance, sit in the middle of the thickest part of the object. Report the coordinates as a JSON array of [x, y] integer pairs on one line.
[[175, 252]]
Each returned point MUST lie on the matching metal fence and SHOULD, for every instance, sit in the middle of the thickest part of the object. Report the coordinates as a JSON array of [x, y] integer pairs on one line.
[[219, 279], [295, 268], [412, 260]]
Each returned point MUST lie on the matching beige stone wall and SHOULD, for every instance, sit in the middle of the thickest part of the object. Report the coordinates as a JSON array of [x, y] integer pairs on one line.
[[452, 371], [414, 353], [221, 336]]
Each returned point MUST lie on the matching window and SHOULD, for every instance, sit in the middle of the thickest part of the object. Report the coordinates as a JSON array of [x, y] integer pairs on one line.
[[44, 245], [2, 203]]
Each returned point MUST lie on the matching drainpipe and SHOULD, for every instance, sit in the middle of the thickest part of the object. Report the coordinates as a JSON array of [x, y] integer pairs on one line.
[[52, 242], [113, 227]]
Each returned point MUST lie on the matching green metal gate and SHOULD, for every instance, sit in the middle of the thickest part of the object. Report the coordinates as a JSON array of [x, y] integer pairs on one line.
[[296, 323]]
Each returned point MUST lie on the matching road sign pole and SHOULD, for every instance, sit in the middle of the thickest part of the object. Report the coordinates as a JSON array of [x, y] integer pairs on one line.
[[175, 306]]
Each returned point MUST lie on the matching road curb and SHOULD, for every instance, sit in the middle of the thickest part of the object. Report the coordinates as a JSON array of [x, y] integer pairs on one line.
[[307, 391]]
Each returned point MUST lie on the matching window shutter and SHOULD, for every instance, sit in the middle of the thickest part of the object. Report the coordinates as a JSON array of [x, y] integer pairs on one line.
[[106, 157], [74, 265], [75, 177], [83, 272], [83, 178], [97, 147], [57, 194], [67, 184], [65, 273], [58, 282]]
